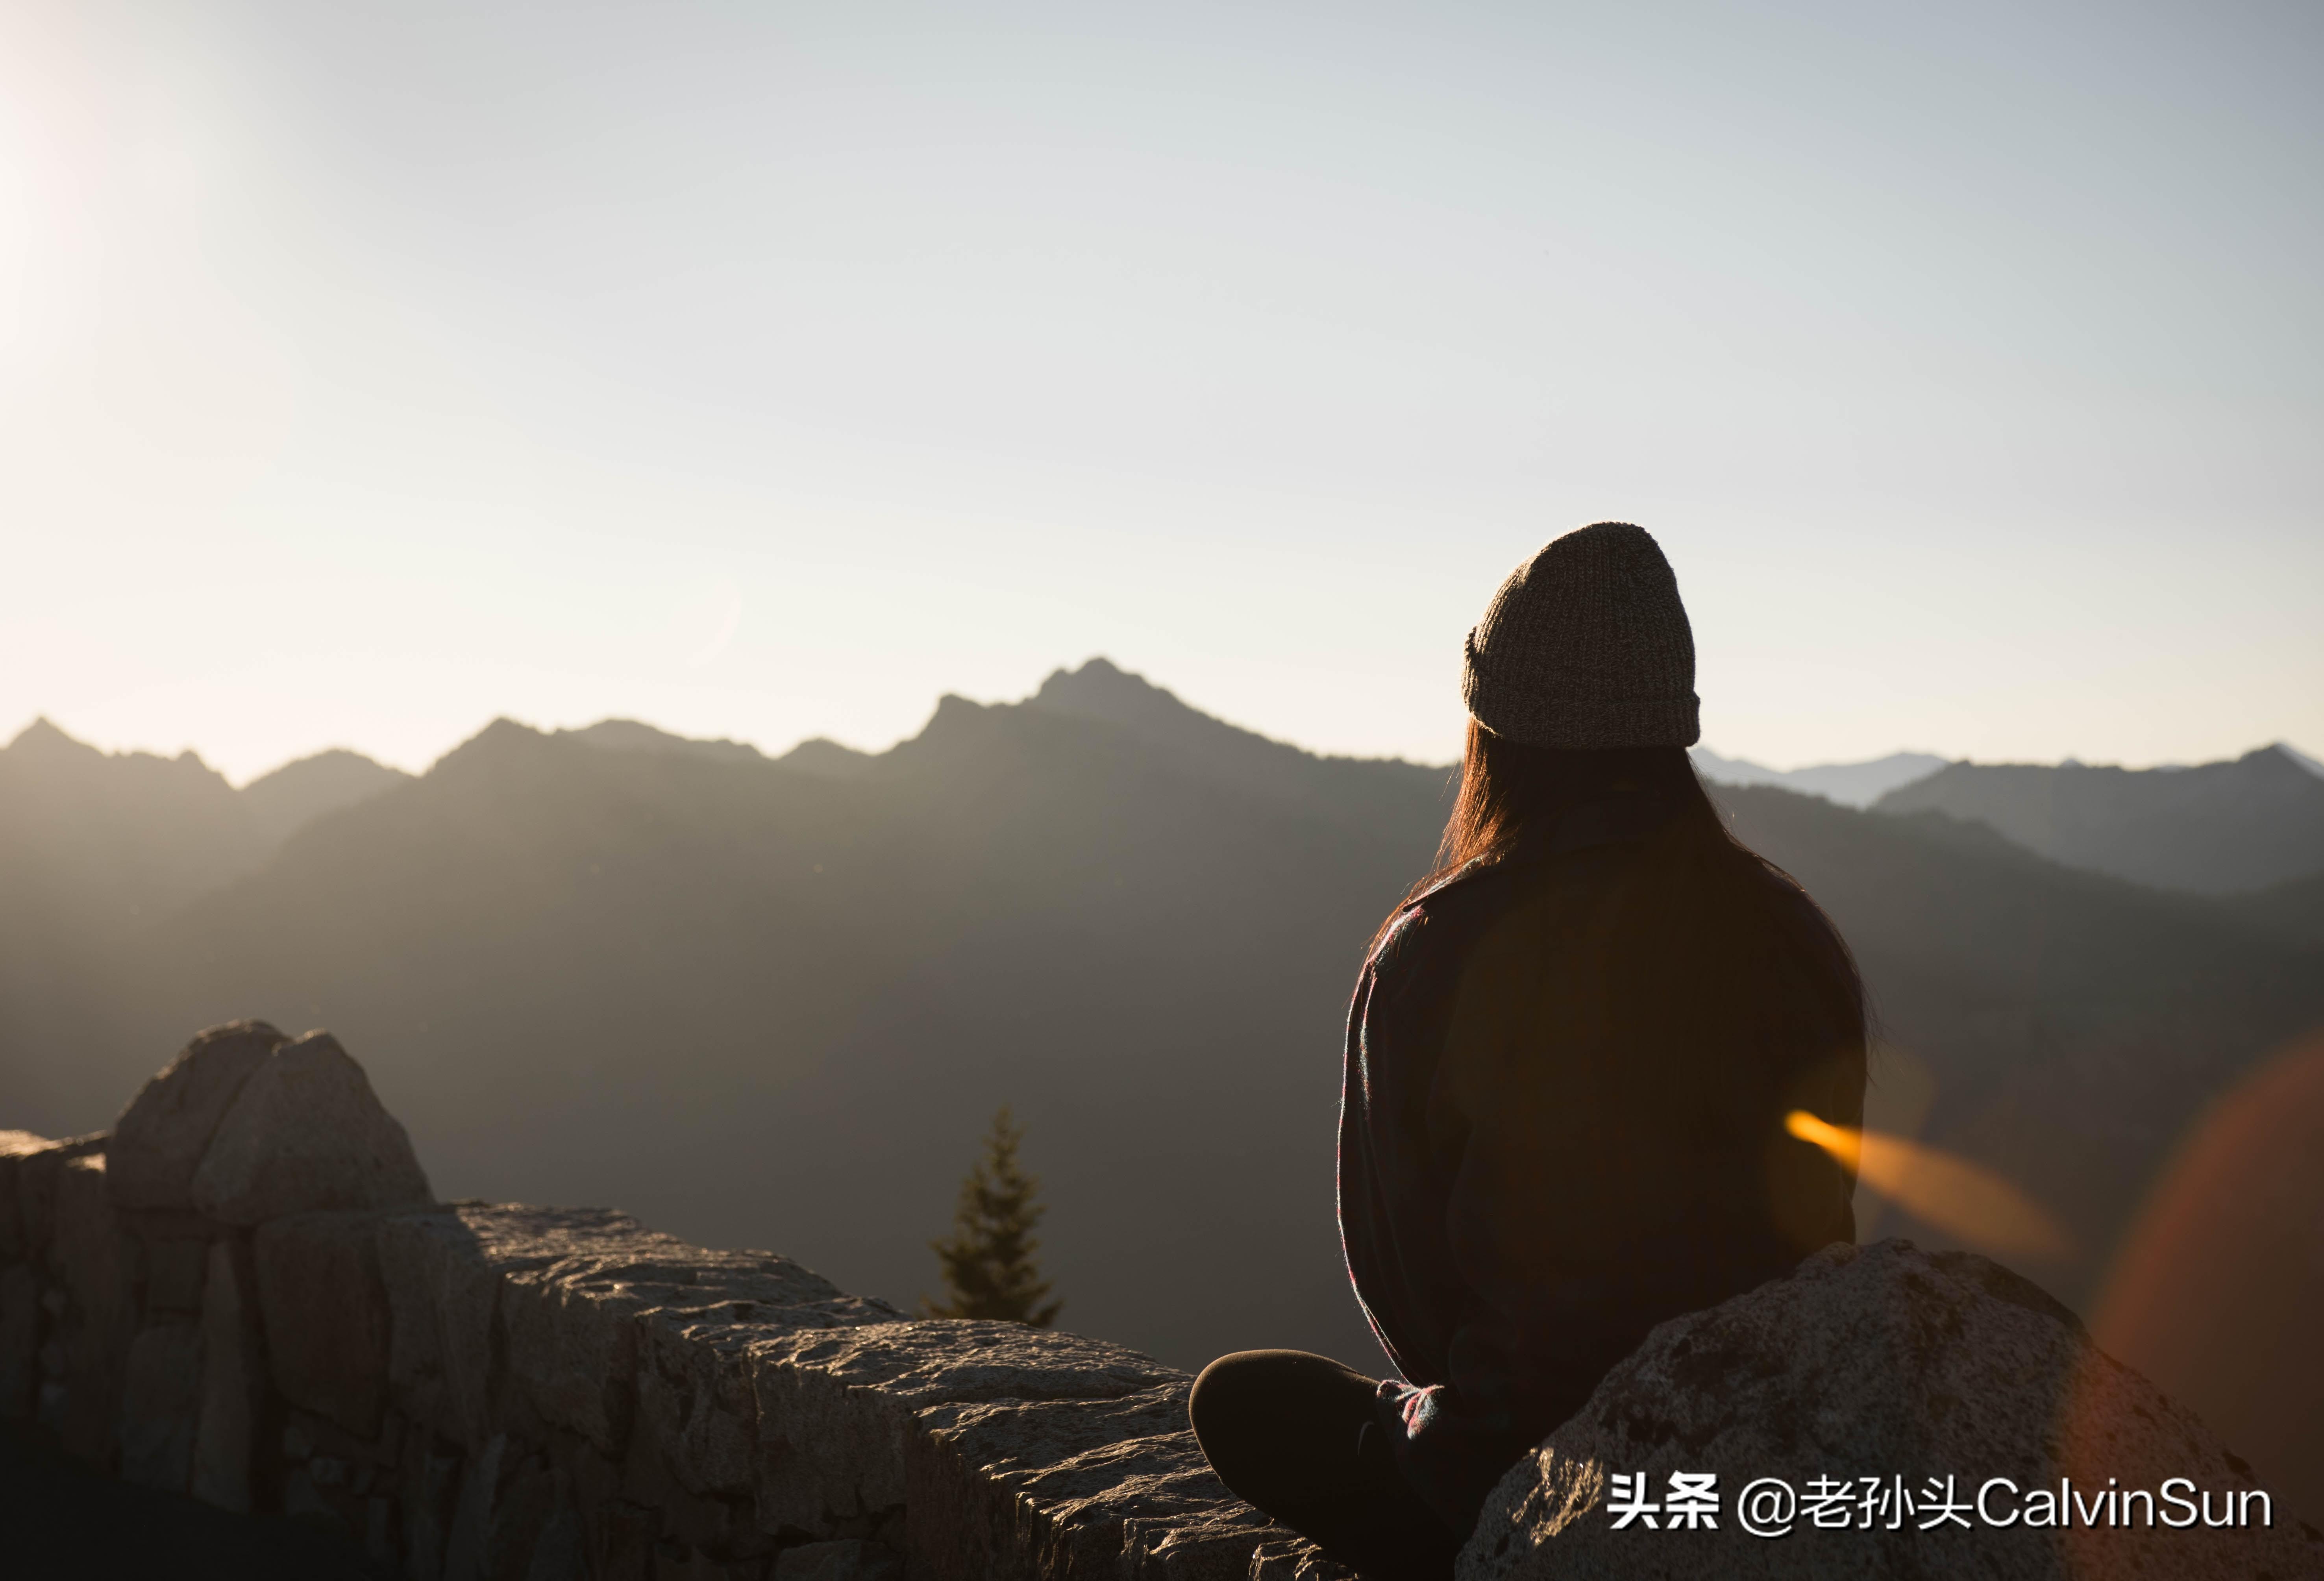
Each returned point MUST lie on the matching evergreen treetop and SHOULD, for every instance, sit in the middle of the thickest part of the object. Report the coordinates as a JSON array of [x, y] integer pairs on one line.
[[988, 1262]]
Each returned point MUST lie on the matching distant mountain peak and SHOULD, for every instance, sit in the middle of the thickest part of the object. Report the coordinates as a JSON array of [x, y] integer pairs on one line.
[[635, 735], [821, 755], [1850, 784], [41, 738], [1345, 790], [2241, 824], [2301, 758], [42, 744], [1102, 689], [286, 799]]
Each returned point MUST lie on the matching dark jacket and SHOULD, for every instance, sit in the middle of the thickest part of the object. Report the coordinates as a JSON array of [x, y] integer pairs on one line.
[[1528, 1183]]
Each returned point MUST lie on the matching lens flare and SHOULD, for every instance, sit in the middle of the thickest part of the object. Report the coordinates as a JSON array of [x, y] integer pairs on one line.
[[1971, 1204]]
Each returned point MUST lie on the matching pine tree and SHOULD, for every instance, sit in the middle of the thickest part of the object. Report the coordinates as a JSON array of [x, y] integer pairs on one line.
[[989, 1270]]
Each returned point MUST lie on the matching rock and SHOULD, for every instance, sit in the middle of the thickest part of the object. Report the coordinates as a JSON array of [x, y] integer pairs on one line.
[[160, 1407], [537, 1534], [161, 1136], [33, 1170], [1285, 1556], [232, 1381], [1881, 1362], [20, 1341], [94, 1260], [87, 1244], [566, 1288], [325, 1314], [306, 1135], [173, 1275], [845, 1560], [695, 1404], [16, 1245], [442, 1292], [1076, 1487], [572, 1320], [472, 1516], [447, 1272], [430, 1483], [833, 1407]]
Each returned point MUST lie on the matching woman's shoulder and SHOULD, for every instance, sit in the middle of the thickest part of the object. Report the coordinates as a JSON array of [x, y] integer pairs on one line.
[[1442, 918]]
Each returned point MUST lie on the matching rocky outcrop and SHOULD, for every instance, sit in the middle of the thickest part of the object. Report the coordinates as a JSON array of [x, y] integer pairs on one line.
[[1877, 1386], [161, 1137], [244, 1294], [305, 1133]]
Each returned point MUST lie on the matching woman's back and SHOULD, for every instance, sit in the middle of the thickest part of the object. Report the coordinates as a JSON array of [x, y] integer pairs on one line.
[[1569, 1063], [1563, 1119]]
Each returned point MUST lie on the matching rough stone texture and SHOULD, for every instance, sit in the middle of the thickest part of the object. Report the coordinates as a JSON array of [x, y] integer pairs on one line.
[[233, 1383], [501, 1394], [575, 1322], [161, 1136], [306, 1134], [35, 1170], [325, 1314], [834, 1408], [1291, 1557], [1885, 1362], [1074, 1488], [161, 1405], [443, 1293]]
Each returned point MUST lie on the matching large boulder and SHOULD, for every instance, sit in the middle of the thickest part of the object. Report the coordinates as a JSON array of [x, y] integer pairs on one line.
[[169, 1125], [1874, 1372], [232, 1381], [306, 1134], [325, 1314]]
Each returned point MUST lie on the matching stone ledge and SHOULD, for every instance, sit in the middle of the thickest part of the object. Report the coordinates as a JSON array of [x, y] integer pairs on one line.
[[476, 1390]]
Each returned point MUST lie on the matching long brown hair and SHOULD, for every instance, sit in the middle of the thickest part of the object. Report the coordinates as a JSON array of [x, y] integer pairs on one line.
[[1698, 915], [1686, 997]]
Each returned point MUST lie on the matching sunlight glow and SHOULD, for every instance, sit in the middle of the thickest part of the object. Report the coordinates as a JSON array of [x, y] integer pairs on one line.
[[1963, 1199]]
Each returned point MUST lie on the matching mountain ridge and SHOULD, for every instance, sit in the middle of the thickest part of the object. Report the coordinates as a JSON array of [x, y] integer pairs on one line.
[[764, 1003], [2212, 829]]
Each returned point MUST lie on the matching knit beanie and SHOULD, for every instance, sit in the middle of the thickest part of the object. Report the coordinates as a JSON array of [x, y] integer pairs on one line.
[[1586, 645]]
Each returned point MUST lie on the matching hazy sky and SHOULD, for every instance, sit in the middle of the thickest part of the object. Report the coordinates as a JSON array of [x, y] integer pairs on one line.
[[368, 370]]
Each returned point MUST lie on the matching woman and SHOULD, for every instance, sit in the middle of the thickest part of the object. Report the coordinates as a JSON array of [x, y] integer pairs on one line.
[[1569, 1061]]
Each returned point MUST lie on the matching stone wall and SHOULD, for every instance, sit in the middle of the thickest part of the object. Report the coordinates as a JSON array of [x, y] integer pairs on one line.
[[244, 1292]]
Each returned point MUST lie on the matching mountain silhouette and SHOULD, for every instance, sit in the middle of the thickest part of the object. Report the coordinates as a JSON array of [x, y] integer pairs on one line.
[[631, 736], [1850, 784], [774, 1001], [2214, 829], [295, 795]]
